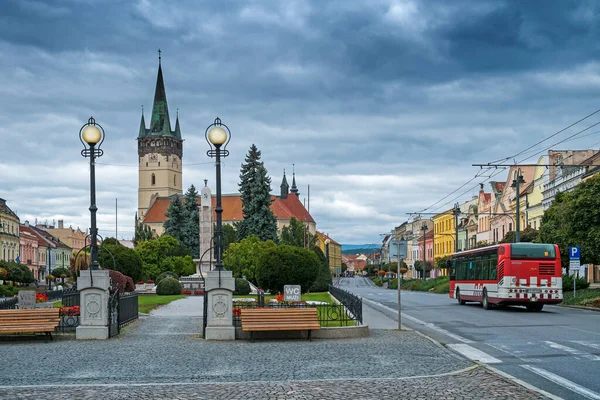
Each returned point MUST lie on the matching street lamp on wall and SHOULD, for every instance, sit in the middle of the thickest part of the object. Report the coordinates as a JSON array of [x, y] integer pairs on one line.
[[92, 135], [218, 136]]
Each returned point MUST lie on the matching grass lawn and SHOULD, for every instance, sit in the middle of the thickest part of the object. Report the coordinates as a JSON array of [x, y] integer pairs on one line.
[[318, 296], [584, 297], [146, 303]]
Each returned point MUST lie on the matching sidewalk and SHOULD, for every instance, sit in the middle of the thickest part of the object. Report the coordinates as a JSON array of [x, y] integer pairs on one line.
[[377, 320]]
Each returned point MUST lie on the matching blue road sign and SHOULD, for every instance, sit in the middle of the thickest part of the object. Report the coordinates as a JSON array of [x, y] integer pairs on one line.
[[574, 253]]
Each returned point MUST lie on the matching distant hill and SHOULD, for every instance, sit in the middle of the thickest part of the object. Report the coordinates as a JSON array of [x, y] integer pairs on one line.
[[358, 248]]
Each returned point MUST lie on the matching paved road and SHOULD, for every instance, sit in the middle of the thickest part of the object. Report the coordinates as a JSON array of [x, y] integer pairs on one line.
[[557, 350]]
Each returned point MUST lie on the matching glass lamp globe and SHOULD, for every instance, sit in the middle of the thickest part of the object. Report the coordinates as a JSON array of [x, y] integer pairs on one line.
[[91, 134], [217, 136]]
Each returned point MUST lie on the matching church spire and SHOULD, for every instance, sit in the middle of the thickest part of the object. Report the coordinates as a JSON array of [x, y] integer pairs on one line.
[[142, 126], [177, 129], [294, 187], [160, 124], [284, 187]]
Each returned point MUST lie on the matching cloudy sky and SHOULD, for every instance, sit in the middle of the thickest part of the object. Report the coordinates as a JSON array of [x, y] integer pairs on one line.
[[383, 105]]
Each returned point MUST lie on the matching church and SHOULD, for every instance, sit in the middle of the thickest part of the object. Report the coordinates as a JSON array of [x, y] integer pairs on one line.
[[160, 171]]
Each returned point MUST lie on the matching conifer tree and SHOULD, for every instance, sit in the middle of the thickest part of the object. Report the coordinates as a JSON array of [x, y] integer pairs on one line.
[[255, 189], [177, 217], [191, 227]]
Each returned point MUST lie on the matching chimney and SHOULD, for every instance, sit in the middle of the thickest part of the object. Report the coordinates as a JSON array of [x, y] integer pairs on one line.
[[27, 223], [60, 224]]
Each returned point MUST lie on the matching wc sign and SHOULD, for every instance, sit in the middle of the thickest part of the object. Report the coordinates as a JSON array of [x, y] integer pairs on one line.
[[291, 293]]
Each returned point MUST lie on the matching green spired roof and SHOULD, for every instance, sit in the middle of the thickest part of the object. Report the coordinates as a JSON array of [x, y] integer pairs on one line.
[[160, 124]]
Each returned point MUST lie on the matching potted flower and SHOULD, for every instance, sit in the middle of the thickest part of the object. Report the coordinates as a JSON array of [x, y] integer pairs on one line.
[[139, 286], [149, 284], [69, 317]]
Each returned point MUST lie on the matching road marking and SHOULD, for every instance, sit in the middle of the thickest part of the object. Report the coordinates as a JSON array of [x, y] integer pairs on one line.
[[559, 380], [418, 321], [587, 344], [573, 351], [474, 354], [515, 353], [523, 383]]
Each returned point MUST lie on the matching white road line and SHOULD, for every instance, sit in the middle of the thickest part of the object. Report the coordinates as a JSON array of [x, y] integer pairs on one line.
[[587, 344], [426, 324], [474, 354], [514, 353], [576, 353], [559, 380]]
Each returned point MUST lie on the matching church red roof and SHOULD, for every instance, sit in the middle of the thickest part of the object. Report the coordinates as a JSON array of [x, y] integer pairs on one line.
[[283, 209]]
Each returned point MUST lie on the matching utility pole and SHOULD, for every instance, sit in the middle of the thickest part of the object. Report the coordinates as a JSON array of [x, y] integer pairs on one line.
[[399, 283], [517, 184], [456, 213], [117, 219], [424, 228]]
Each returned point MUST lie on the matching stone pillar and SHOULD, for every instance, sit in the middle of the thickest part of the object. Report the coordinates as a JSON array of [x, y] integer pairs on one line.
[[219, 323], [94, 304], [206, 230]]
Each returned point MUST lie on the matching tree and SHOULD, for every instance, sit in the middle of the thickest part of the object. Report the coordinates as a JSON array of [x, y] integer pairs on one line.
[[244, 257], [142, 233], [255, 189], [441, 262], [126, 260], [190, 235], [229, 237], [160, 255], [345, 267], [176, 219], [527, 235], [323, 279], [573, 220], [287, 265]]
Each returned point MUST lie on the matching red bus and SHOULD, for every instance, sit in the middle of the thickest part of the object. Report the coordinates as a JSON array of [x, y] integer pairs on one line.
[[526, 274]]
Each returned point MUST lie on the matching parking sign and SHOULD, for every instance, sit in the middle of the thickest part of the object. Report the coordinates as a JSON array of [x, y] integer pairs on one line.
[[574, 253]]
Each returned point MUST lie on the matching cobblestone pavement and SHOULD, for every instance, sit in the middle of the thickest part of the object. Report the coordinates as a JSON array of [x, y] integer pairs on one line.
[[165, 357], [474, 384]]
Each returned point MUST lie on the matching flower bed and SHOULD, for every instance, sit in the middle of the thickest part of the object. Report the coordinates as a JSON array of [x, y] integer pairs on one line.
[[69, 311], [41, 298]]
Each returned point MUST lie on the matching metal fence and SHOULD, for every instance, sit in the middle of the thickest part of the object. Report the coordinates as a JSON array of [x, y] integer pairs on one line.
[[352, 302], [128, 308], [328, 314], [9, 303], [54, 294], [70, 297]]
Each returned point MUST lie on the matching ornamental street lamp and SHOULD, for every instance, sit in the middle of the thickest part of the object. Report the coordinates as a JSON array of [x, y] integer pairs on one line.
[[424, 228], [516, 183], [218, 136], [92, 134]]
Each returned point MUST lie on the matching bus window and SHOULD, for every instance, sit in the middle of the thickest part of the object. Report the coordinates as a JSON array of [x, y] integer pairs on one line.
[[453, 269], [493, 271], [471, 271]]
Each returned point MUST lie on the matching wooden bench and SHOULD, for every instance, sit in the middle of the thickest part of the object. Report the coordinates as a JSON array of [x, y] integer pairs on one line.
[[35, 320], [279, 319]]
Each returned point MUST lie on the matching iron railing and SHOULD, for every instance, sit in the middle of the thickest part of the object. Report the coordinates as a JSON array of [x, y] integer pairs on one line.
[[70, 297], [9, 303], [352, 302], [128, 308], [54, 294], [327, 314]]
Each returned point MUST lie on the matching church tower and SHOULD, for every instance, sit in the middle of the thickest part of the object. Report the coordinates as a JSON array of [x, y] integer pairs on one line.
[[160, 152]]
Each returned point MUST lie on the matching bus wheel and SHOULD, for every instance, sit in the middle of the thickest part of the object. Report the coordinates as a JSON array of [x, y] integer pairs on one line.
[[460, 301], [484, 301], [534, 307]]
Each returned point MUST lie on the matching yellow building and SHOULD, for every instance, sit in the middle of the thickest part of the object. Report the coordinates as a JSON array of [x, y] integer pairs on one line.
[[73, 238], [332, 250], [9, 233], [444, 234], [535, 208]]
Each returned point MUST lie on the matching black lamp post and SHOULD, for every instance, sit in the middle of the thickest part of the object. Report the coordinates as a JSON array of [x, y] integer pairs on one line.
[[516, 183], [218, 135], [456, 213], [92, 134], [424, 228]]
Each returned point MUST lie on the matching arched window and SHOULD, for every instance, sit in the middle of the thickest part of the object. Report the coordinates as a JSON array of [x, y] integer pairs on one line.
[[153, 179]]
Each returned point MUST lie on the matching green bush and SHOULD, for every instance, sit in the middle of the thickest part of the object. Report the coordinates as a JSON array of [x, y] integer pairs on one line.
[[568, 283], [287, 265], [321, 284], [393, 284], [242, 286], [8, 291], [168, 286], [166, 274], [442, 288]]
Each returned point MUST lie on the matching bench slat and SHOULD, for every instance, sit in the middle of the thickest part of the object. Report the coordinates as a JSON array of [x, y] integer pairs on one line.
[[42, 320]]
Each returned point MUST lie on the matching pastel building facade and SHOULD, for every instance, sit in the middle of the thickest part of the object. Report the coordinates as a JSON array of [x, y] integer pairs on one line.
[[9, 233]]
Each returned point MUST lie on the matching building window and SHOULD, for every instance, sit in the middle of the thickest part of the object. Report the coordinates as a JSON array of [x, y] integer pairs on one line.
[[159, 163], [534, 224], [174, 180], [153, 179], [510, 226]]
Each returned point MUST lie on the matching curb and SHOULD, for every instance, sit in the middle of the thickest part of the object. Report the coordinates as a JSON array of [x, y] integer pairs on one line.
[[582, 308]]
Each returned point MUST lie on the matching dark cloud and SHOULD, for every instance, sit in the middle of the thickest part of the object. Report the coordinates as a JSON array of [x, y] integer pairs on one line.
[[382, 105]]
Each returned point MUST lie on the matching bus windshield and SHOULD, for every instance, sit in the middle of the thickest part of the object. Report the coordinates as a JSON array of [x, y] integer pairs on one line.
[[520, 251]]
